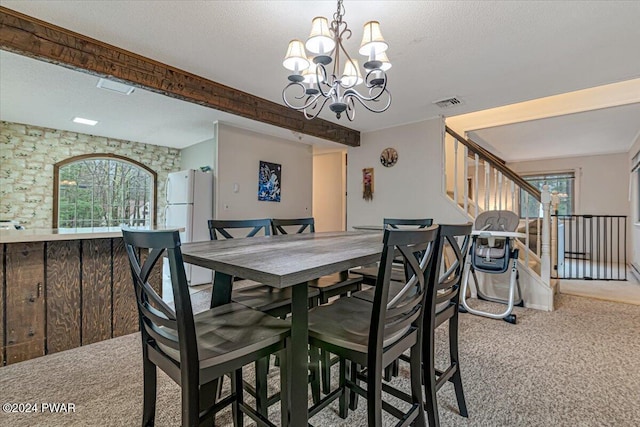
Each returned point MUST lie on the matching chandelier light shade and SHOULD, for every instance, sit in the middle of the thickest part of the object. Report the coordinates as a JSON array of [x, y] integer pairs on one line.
[[351, 75], [312, 85], [296, 58], [372, 40], [320, 40]]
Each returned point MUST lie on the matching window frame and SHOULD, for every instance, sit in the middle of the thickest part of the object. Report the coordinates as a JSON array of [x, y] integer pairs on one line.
[[550, 174], [102, 156]]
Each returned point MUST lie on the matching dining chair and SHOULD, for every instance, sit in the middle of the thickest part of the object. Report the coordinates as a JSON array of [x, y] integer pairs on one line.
[[338, 284], [442, 304], [272, 301], [370, 273], [197, 351], [374, 335]]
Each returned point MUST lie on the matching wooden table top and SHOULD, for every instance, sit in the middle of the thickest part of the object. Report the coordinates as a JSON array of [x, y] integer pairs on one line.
[[286, 260]]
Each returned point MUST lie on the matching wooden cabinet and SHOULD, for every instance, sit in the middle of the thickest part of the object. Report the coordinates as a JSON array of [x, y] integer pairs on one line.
[[63, 294], [24, 287], [2, 307]]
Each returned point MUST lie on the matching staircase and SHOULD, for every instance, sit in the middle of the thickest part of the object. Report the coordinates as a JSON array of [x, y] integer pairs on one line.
[[475, 181]]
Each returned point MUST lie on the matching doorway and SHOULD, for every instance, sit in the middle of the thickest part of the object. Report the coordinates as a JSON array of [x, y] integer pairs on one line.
[[330, 189]]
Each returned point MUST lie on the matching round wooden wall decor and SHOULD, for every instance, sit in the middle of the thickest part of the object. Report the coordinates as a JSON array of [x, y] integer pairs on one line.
[[389, 157]]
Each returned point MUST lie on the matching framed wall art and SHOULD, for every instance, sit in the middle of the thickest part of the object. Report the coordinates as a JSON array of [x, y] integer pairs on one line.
[[389, 157], [269, 182]]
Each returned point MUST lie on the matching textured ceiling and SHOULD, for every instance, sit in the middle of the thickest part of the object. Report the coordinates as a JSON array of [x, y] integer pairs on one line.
[[486, 53]]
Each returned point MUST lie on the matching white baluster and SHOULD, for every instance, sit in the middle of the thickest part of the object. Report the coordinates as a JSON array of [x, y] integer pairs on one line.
[[466, 180], [526, 227], [487, 172], [499, 190], [476, 195], [545, 270], [455, 171], [495, 189]]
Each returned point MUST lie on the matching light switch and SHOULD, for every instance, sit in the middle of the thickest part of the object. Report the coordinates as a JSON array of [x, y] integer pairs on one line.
[[236, 187]]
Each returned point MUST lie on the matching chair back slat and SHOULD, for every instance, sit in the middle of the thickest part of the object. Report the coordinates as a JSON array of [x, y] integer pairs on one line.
[[413, 266], [278, 225], [146, 295], [255, 225], [391, 320], [395, 222], [159, 323], [454, 240], [164, 336]]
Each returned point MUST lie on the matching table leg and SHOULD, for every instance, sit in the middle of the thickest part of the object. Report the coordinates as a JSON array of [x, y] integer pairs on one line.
[[221, 294], [298, 372]]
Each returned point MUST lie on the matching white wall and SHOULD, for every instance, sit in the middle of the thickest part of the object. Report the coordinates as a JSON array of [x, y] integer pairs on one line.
[[602, 181], [329, 187], [202, 154], [410, 189], [239, 154], [198, 155]]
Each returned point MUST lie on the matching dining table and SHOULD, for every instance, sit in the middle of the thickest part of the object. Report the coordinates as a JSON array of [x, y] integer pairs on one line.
[[282, 261]]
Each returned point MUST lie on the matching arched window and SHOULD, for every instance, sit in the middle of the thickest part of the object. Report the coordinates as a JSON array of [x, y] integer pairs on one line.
[[103, 190]]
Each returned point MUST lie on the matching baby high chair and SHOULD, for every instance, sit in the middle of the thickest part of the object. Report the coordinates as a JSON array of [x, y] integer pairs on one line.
[[493, 251]]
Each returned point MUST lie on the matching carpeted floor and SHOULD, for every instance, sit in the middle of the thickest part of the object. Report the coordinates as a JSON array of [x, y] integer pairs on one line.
[[577, 366]]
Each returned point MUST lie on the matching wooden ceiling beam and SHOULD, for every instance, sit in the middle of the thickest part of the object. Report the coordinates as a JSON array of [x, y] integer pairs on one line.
[[41, 40]]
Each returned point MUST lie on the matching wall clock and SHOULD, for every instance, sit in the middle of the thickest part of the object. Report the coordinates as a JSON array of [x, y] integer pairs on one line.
[[389, 157]]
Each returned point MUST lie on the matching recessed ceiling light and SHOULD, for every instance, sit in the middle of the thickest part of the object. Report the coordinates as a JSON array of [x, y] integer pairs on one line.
[[115, 87], [85, 121]]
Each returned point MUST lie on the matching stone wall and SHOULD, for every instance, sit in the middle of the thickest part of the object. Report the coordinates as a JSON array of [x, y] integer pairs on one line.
[[27, 156]]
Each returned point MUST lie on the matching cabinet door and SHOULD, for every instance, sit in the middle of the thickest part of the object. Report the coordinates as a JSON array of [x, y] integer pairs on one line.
[[25, 295], [96, 290], [63, 295], [125, 307]]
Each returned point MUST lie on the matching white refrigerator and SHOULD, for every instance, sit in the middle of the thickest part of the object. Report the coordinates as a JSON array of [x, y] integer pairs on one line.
[[189, 197]]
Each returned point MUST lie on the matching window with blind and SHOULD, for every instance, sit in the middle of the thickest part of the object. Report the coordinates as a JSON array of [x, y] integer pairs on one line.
[[563, 183]]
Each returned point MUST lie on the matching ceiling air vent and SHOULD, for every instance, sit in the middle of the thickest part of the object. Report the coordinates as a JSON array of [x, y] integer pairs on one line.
[[448, 103], [115, 87]]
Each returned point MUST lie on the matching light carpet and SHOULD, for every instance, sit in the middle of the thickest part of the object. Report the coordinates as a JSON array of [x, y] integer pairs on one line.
[[576, 366]]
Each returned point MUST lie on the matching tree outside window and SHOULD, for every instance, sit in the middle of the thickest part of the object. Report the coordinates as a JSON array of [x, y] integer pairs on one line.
[[103, 191], [563, 183]]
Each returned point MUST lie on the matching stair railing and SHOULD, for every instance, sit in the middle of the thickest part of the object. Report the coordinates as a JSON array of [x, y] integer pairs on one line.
[[477, 180]]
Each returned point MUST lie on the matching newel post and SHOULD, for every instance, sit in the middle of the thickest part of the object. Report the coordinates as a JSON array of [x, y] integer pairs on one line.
[[545, 257], [555, 200]]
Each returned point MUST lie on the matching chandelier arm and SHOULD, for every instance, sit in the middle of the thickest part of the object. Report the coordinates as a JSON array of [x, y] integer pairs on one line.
[[310, 98], [316, 108], [351, 108], [351, 94]]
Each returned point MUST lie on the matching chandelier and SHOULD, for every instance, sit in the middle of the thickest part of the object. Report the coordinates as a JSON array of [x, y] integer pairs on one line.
[[311, 86]]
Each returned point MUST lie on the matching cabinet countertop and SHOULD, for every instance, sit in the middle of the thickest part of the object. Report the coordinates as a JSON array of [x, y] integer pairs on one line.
[[51, 234]]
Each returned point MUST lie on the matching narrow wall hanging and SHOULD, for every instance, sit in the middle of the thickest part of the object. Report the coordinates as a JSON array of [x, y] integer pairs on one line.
[[367, 183]]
